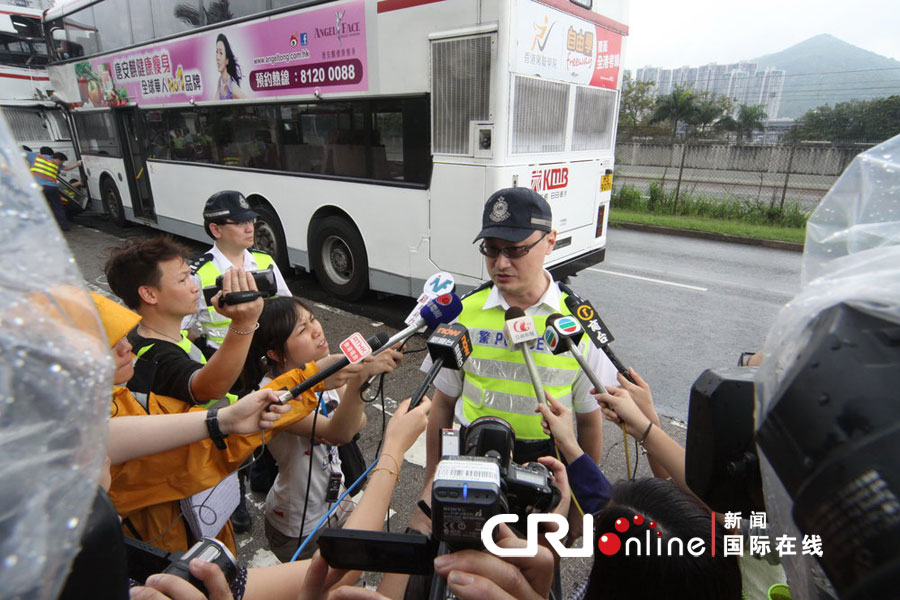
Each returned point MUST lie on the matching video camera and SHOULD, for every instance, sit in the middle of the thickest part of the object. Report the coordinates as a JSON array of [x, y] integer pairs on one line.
[[475, 480], [266, 287], [830, 437]]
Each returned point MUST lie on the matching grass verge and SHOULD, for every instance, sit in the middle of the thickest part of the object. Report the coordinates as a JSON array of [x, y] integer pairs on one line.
[[727, 227]]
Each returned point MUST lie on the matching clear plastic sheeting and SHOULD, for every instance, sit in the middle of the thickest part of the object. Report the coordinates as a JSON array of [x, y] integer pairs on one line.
[[860, 212], [55, 386], [852, 256]]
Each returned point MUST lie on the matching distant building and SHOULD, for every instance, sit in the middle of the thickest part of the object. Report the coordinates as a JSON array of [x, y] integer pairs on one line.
[[743, 82]]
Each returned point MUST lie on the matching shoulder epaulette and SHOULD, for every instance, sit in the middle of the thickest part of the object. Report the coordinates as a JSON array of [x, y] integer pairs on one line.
[[487, 284], [200, 261]]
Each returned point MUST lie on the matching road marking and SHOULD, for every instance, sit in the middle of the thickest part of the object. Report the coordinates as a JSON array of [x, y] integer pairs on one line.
[[333, 309], [681, 285]]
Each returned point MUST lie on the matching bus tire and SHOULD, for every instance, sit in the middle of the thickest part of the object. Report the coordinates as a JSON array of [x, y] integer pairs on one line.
[[270, 237], [112, 202], [339, 257]]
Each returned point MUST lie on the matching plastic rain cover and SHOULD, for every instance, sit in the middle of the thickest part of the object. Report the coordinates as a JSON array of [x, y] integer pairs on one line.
[[852, 255], [55, 390]]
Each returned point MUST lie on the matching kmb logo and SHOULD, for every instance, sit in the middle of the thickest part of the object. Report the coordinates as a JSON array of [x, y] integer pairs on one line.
[[543, 180]]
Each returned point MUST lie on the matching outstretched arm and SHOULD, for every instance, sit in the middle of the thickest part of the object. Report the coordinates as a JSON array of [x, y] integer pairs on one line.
[[132, 437]]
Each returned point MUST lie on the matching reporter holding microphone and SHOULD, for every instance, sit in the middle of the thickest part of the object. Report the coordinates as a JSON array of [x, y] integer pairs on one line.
[[516, 237]]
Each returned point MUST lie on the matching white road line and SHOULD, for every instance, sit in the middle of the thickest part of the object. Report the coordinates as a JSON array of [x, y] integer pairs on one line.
[[681, 285]]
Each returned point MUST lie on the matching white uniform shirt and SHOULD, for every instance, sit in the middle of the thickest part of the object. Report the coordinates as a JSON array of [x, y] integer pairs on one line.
[[284, 502], [450, 382], [223, 264]]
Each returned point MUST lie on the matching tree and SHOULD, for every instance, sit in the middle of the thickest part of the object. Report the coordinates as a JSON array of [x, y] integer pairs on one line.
[[674, 107], [637, 102], [749, 119], [855, 121], [710, 108]]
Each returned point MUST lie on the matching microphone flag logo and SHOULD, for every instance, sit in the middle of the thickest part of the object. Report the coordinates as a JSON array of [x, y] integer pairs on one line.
[[551, 338], [568, 326]]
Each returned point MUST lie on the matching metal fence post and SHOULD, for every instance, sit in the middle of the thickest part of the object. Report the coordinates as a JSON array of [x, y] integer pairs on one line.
[[684, 148], [787, 176]]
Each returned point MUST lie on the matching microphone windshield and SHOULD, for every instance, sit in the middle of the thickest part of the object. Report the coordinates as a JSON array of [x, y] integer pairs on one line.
[[378, 340], [514, 312], [442, 309], [553, 318]]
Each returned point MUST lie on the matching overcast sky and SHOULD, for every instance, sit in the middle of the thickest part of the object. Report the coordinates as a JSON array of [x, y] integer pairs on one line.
[[664, 33]]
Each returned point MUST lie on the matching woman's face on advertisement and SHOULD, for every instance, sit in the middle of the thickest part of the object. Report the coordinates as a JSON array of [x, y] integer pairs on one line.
[[221, 59]]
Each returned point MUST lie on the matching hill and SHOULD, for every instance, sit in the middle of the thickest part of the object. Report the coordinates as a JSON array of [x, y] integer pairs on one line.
[[826, 70]]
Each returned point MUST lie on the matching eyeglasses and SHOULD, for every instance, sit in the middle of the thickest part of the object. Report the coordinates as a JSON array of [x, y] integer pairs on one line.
[[509, 251]]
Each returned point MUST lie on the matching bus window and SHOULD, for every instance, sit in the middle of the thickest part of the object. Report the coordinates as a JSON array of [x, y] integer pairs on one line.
[[141, 20], [81, 34], [116, 30]]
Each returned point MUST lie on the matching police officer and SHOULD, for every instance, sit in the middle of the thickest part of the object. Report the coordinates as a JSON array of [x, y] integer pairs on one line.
[[517, 234], [45, 168], [229, 220]]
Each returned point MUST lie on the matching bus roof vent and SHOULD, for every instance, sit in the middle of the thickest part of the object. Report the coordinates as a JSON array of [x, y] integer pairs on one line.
[[593, 118], [539, 116], [461, 77]]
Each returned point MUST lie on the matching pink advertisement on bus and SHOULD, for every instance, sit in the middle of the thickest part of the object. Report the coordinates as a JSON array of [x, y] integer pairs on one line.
[[282, 55]]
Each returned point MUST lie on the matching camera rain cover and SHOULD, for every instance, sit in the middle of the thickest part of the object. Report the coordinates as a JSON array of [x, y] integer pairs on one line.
[[55, 390], [851, 266]]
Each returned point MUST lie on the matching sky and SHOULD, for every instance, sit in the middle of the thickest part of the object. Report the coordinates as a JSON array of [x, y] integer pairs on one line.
[[669, 34]]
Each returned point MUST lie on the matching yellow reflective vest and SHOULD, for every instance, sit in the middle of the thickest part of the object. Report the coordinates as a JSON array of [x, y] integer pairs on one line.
[[496, 381], [45, 171]]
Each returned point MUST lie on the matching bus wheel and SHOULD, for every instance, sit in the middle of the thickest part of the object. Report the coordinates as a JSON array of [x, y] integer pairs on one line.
[[270, 237], [112, 202], [339, 258]]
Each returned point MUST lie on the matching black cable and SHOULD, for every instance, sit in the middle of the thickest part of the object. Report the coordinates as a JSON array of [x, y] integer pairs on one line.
[[312, 441], [637, 458]]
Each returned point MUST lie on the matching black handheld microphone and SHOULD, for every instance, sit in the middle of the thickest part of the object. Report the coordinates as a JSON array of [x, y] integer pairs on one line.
[[375, 341], [563, 334], [519, 331], [441, 309], [449, 346], [596, 330]]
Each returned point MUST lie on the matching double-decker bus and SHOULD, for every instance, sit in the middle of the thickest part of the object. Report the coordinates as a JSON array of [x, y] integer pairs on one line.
[[25, 102], [367, 134]]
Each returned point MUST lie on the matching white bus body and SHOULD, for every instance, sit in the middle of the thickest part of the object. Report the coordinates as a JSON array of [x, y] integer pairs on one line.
[[378, 183]]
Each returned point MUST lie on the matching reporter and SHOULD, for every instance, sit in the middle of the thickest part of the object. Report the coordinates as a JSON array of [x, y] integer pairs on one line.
[[282, 582]]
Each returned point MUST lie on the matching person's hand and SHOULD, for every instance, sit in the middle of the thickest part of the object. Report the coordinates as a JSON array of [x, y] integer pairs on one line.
[[640, 393], [405, 427], [169, 587], [385, 362], [252, 413], [320, 577], [476, 575], [340, 378], [561, 479], [618, 407], [244, 316], [558, 423]]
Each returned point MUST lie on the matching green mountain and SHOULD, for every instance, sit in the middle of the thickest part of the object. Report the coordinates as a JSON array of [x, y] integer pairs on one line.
[[826, 70]]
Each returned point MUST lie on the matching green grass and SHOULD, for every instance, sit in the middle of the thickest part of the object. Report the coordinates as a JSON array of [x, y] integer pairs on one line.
[[724, 226]]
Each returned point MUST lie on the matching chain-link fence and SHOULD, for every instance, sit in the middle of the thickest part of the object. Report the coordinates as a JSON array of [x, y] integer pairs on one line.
[[775, 175]]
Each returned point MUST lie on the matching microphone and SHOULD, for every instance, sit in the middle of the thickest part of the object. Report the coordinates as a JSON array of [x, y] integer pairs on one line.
[[441, 309], [355, 349], [596, 331], [520, 330], [564, 333], [449, 346]]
